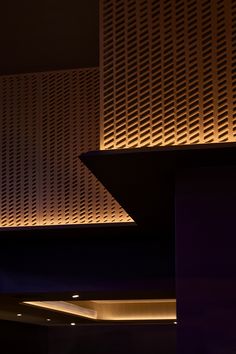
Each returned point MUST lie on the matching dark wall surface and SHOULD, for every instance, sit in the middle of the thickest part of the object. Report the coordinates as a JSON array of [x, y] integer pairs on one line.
[[20, 338], [99, 258], [48, 35], [115, 339], [206, 262]]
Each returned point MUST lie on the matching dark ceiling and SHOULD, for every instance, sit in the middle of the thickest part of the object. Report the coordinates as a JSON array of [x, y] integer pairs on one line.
[[98, 262], [45, 35], [86, 259]]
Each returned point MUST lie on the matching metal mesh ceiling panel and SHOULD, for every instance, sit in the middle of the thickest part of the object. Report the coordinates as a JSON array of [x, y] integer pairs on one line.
[[46, 121], [168, 72]]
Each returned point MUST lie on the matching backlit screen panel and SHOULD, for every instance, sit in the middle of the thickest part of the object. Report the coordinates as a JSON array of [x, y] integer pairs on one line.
[[168, 72], [46, 120]]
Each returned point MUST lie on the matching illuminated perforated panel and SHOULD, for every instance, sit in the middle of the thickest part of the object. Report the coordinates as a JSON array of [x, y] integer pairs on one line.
[[19, 178], [47, 120], [168, 72]]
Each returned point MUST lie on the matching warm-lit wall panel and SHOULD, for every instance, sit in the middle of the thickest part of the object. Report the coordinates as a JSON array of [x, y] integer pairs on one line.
[[168, 72], [19, 150], [46, 121]]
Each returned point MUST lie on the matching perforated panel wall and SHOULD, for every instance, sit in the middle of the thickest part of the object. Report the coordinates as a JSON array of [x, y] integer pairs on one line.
[[19, 178], [168, 72], [46, 121]]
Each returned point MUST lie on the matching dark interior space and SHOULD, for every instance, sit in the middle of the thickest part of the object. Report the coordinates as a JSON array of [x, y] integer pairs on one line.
[[205, 239], [121, 261], [21, 338], [146, 177], [117, 339], [128, 249], [111, 261], [48, 35]]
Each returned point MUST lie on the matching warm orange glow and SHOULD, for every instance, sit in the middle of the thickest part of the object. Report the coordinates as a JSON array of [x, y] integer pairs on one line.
[[48, 224], [43, 182], [171, 92], [114, 310], [66, 307]]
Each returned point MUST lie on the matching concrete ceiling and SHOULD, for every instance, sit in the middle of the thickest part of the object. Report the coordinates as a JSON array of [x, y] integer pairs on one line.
[[45, 35]]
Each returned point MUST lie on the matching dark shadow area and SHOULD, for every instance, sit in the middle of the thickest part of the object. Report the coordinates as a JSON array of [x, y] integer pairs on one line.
[[206, 263], [48, 35], [111, 261], [142, 180], [115, 339], [20, 338]]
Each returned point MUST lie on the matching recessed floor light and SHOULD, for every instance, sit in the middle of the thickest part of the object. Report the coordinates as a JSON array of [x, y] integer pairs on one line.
[[75, 296], [48, 319], [19, 315], [175, 323], [72, 324]]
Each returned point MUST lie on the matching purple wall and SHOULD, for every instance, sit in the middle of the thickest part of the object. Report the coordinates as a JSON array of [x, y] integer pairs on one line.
[[206, 262]]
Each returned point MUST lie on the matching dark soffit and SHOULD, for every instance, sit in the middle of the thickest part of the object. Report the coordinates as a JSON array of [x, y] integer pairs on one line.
[[142, 180]]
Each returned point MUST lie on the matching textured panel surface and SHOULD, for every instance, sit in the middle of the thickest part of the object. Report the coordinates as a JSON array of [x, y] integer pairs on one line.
[[168, 72], [46, 121], [19, 154]]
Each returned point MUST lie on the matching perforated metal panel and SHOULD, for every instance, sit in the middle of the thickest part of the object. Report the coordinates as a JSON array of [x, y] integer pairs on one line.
[[19, 178], [168, 72], [46, 121]]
